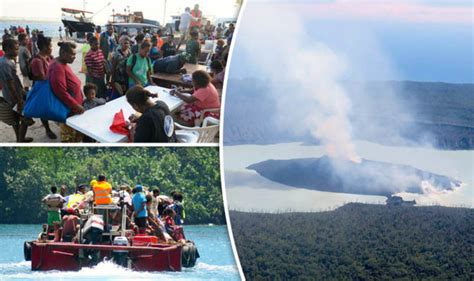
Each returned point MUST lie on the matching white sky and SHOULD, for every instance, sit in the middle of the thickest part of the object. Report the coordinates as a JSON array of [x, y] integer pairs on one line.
[[152, 9]]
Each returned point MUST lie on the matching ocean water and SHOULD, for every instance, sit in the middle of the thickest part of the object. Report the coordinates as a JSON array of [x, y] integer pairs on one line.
[[49, 29], [245, 188], [216, 262]]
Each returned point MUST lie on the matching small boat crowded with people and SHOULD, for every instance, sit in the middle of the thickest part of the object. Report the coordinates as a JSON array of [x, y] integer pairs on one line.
[[100, 225]]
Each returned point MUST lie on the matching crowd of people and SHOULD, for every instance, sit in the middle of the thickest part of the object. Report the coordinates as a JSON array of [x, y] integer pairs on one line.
[[114, 65], [148, 211]]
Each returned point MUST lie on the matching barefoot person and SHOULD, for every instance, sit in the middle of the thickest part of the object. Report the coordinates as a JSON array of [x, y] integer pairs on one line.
[[39, 70], [13, 92], [67, 87]]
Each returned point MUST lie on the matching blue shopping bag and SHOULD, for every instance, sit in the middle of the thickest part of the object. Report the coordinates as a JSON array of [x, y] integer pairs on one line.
[[42, 103]]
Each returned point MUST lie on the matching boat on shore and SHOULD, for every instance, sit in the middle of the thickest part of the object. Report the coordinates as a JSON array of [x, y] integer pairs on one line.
[[99, 239], [77, 21]]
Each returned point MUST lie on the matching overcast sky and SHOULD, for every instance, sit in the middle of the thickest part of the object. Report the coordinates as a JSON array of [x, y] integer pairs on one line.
[[50, 9]]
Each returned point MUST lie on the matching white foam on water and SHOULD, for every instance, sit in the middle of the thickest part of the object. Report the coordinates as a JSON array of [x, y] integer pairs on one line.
[[106, 271], [212, 267]]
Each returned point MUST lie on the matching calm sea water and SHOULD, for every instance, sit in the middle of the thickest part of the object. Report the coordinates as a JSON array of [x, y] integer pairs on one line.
[[216, 262], [50, 29]]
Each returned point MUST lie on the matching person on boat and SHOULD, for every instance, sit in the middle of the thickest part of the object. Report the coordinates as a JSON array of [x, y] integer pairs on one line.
[[102, 191], [155, 202], [67, 87], [204, 96], [39, 71], [95, 63], [155, 226], [140, 213], [193, 47], [155, 123], [178, 208], [75, 200], [139, 68], [175, 231], [119, 78], [71, 224], [12, 102], [54, 201], [108, 41]]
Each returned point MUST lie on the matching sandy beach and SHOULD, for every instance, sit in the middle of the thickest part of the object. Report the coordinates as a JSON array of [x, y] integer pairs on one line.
[[37, 131]]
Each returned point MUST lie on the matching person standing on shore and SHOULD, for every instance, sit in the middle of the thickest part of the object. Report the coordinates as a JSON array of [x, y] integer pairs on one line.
[[24, 59], [39, 70], [95, 63], [197, 14], [60, 33], [119, 77], [108, 41], [13, 92], [67, 87]]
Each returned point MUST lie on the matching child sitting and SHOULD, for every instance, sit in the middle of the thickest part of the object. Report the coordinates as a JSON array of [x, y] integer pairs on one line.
[[91, 101]]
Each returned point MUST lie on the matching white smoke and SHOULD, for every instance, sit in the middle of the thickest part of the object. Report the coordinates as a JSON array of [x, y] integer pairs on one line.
[[316, 102]]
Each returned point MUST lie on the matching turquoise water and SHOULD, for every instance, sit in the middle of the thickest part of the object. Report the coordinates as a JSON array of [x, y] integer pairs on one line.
[[216, 262]]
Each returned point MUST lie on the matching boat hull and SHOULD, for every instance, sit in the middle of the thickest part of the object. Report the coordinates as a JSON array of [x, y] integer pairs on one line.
[[72, 256], [79, 26]]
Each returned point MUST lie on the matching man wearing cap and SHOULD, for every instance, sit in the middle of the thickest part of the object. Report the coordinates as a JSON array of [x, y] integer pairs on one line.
[[102, 191], [139, 206]]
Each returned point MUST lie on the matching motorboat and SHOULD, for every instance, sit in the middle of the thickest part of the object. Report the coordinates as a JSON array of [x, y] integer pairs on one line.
[[101, 238]]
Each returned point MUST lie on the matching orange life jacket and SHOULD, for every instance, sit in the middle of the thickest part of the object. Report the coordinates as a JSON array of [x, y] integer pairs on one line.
[[196, 14], [103, 193]]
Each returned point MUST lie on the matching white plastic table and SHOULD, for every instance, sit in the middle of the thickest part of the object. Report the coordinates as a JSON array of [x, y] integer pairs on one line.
[[96, 122]]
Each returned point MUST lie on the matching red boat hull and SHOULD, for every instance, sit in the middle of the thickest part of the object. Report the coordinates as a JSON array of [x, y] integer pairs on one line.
[[67, 256]]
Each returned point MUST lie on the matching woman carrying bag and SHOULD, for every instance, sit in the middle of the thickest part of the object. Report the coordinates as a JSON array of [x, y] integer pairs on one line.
[[67, 87]]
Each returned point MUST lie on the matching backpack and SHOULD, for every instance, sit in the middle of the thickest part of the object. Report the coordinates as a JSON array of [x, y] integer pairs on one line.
[[134, 61]]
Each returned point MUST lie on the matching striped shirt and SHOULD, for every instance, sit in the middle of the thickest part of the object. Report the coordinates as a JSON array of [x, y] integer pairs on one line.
[[95, 63]]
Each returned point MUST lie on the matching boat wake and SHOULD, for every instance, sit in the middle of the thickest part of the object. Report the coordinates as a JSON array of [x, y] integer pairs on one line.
[[107, 271]]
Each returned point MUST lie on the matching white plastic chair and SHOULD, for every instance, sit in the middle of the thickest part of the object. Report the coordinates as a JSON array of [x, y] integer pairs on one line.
[[203, 134]]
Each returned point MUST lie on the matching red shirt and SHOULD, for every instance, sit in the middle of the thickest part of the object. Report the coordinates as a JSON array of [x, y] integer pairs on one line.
[[65, 84], [94, 61], [207, 97], [39, 67]]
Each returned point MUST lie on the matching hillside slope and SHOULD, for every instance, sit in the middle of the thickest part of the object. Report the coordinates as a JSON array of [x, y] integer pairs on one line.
[[357, 242]]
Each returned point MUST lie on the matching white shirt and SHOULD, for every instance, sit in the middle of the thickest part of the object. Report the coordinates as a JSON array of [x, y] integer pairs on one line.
[[185, 21]]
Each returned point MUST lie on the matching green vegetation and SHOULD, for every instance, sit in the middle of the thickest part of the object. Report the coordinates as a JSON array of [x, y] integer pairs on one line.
[[357, 242], [26, 175]]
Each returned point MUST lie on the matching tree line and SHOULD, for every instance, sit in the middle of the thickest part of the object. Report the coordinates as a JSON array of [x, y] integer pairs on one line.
[[26, 175]]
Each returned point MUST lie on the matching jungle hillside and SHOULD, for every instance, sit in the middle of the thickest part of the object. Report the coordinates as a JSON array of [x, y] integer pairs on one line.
[[27, 173], [357, 242]]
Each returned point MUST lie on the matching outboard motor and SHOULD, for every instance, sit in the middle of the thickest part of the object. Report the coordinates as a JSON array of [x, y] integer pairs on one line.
[[27, 250], [92, 234], [120, 257], [189, 254], [92, 230]]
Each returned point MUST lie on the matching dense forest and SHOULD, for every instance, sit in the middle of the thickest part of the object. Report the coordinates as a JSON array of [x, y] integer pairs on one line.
[[438, 114], [357, 242], [26, 175]]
